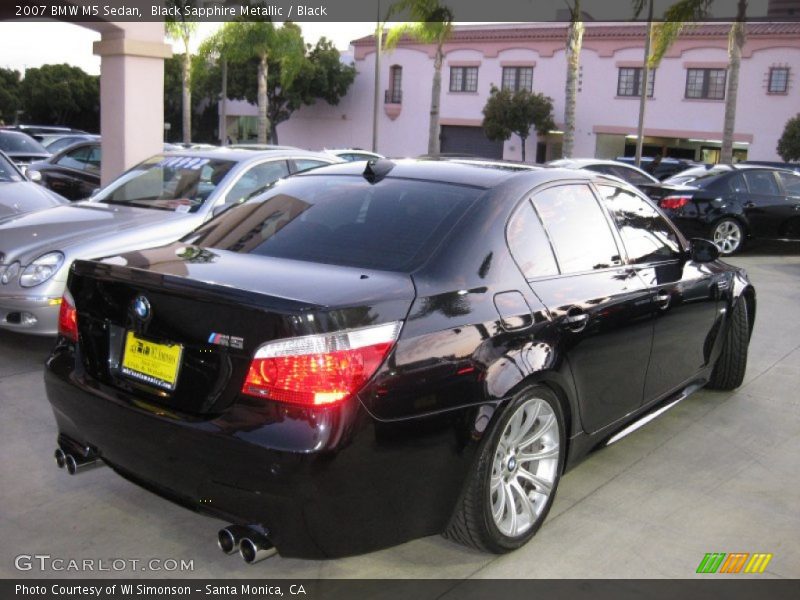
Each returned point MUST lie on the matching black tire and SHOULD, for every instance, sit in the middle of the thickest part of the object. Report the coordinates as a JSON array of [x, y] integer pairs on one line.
[[729, 369], [728, 235], [472, 523]]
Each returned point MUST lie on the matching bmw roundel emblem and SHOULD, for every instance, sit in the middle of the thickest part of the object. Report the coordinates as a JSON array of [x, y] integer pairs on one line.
[[141, 306]]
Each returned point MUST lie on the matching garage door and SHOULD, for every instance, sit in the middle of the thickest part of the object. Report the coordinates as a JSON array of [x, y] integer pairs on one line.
[[469, 140]]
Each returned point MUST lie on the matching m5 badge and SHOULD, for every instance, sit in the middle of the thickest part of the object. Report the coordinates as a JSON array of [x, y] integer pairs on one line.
[[231, 341]]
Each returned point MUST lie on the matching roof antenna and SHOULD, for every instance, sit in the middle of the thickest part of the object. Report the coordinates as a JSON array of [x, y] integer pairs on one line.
[[376, 170]]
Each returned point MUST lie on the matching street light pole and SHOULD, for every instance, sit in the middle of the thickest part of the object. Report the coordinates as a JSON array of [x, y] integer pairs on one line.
[[376, 98], [645, 84]]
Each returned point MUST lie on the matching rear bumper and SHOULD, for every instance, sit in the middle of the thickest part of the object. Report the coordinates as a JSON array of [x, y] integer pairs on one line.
[[354, 495]]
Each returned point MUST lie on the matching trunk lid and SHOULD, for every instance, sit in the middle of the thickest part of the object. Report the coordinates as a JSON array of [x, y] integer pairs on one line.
[[214, 309]]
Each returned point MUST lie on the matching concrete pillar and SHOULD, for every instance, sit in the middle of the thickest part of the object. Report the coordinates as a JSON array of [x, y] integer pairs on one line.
[[131, 94]]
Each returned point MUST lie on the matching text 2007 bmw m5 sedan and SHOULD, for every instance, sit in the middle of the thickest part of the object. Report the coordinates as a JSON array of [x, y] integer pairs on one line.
[[373, 352]]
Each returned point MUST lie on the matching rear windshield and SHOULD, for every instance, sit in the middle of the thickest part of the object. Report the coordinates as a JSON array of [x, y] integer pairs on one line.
[[19, 142], [342, 220]]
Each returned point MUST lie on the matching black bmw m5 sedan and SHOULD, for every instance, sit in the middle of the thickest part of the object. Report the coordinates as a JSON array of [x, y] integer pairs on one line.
[[373, 352]]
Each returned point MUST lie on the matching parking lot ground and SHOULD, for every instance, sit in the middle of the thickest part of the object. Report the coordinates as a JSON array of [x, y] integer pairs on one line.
[[717, 473]]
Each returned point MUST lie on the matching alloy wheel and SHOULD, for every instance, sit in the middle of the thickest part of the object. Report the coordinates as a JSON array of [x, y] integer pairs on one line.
[[524, 468], [728, 236]]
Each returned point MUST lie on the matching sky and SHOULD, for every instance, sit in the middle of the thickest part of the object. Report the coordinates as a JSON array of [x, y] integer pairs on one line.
[[25, 45]]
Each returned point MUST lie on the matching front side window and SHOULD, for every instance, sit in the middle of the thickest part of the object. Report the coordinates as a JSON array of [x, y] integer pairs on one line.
[[791, 183], [761, 182], [577, 227], [173, 183], [630, 79], [75, 159], [706, 83], [646, 234], [518, 78], [463, 79], [778, 80], [256, 178]]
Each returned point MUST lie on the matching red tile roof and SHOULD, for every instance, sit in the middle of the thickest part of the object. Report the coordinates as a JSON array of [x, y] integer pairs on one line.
[[529, 32]]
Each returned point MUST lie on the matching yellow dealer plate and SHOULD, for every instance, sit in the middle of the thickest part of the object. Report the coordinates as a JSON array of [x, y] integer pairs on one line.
[[156, 364]]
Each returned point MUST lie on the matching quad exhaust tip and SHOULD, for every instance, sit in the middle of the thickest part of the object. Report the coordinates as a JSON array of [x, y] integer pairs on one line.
[[252, 544], [75, 464]]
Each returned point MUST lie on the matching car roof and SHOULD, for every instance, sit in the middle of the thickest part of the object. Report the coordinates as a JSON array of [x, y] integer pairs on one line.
[[474, 173], [240, 155], [582, 162]]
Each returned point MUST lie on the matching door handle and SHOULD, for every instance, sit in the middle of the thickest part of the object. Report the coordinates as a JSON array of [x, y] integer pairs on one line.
[[662, 299], [750, 205], [575, 320]]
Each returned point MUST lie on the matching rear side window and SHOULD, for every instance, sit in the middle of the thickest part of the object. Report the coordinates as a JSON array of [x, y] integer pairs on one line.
[[577, 227], [529, 244], [393, 225], [646, 234]]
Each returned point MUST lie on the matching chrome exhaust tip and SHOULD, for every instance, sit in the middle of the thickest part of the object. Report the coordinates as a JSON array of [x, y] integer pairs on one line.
[[228, 538], [61, 458], [76, 464], [255, 548]]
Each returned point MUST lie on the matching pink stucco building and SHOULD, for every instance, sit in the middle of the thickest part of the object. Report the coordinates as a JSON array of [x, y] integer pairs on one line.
[[684, 115]]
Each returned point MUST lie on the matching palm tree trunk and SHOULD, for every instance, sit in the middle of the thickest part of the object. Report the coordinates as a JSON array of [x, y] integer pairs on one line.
[[263, 120], [436, 93], [187, 95], [574, 42], [223, 126], [736, 40]]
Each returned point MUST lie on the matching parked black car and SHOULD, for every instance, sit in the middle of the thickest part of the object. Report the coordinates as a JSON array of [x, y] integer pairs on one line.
[[21, 148], [354, 359], [631, 174], [729, 205], [74, 172], [55, 143], [661, 168]]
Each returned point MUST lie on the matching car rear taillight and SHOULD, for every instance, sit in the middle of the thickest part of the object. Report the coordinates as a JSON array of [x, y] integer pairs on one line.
[[674, 202], [319, 370], [68, 318]]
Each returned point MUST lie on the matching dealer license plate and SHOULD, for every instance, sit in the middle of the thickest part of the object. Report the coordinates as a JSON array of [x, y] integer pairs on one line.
[[156, 364]]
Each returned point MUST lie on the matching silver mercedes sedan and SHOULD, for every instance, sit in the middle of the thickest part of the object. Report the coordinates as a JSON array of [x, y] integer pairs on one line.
[[154, 203]]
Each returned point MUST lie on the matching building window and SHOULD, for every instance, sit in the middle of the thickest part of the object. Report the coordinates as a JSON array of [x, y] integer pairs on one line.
[[629, 82], [706, 83], [518, 78], [463, 79], [394, 95], [778, 80]]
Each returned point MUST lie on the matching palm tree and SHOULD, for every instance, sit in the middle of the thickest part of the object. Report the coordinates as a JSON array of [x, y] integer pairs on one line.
[[574, 43], [182, 31], [665, 33], [659, 37], [213, 49], [261, 40], [432, 24], [736, 40]]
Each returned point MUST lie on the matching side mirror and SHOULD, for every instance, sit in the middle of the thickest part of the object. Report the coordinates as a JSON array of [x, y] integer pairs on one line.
[[703, 251], [219, 209]]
